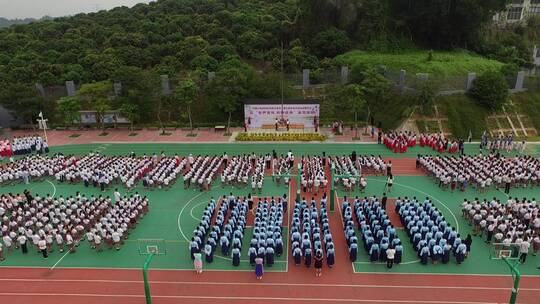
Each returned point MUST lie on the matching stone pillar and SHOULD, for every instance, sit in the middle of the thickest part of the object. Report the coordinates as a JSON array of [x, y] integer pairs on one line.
[[344, 74], [40, 89], [117, 87], [165, 85], [402, 77], [519, 81], [305, 78], [70, 88], [211, 76], [470, 79]]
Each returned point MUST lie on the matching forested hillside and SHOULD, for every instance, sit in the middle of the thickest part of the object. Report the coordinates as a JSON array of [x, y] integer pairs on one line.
[[191, 37]]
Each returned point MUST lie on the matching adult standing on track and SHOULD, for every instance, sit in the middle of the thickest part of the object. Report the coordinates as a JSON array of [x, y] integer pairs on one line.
[[198, 263], [318, 263], [259, 268]]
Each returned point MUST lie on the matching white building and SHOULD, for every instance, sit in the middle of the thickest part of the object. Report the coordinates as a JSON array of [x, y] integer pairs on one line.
[[518, 10]]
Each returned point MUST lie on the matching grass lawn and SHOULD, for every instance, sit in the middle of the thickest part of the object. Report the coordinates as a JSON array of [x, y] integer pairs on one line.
[[528, 103], [464, 115], [456, 63]]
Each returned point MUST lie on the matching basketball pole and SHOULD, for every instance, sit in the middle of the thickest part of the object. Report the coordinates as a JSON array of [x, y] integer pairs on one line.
[[145, 278], [517, 277], [332, 186]]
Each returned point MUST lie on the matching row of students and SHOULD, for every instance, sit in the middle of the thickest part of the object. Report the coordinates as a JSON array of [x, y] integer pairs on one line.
[[267, 241], [483, 171], [430, 234], [63, 222], [312, 176], [517, 221], [308, 240], [202, 171], [378, 234]]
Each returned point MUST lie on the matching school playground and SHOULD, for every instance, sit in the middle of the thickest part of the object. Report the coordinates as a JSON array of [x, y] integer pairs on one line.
[[111, 276]]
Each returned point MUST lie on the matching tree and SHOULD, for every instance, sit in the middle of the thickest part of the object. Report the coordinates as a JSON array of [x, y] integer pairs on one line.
[[131, 112], [330, 43], [95, 96], [227, 88], [23, 100], [101, 107], [426, 96], [490, 90], [69, 110], [186, 94], [376, 89], [354, 95]]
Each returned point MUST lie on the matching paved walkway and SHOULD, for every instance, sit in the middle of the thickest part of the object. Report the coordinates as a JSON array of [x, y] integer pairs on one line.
[[66, 137]]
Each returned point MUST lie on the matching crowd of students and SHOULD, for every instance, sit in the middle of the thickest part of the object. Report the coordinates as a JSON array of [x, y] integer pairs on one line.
[[267, 241], [244, 170], [439, 143], [46, 223], [357, 167], [312, 176], [227, 231], [400, 142], [482, 171], [378, 234], [310, 242], [501, 143], [430, 234], [282, 167], [23, 145], [96, 170], [202, 170], [515, 222]]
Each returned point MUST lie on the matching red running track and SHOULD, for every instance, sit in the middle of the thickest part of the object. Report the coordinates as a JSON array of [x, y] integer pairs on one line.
[[338, 285]]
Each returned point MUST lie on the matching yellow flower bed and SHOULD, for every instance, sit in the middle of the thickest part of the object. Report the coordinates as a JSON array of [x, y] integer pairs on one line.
[[280, 137]]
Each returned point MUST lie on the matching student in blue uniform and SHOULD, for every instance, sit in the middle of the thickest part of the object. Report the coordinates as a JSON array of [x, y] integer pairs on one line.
[[424, 255], [269, 256], [236, 257], [297, 255], [330, 256], [193, 248], [252, 255], [209, 254], [374, 253], [307, 257], [353, 252], [399, 254], [446, 253], [461, 250], [279, 246]]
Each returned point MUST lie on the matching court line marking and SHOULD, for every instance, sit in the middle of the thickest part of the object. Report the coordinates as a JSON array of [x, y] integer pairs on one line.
[[266, 284], [191, 211], [54, 187], [182, 211], [60, 260], [236, 298], [427, 194]]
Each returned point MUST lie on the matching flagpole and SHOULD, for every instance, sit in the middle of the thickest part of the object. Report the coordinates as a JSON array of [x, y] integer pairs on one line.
[[44, 126]]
